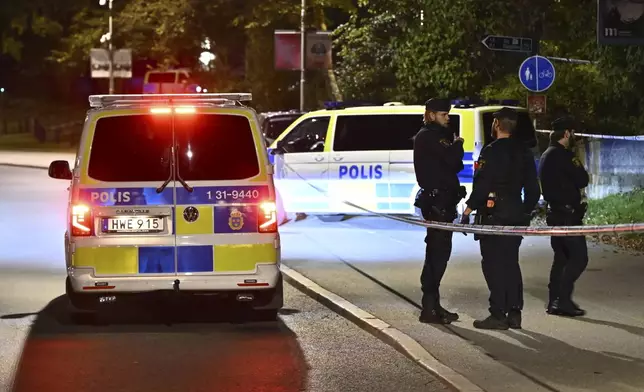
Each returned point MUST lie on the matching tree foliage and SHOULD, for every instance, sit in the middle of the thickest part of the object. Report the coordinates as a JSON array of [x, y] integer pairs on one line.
[[405, 50], [440, 54]]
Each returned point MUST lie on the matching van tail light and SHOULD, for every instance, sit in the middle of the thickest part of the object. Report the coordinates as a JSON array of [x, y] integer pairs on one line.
[[81, 220], [476, 165], [267, 219]]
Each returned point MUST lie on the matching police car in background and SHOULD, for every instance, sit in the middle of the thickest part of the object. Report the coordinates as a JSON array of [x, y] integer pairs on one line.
[[364, 155], [274, 123], [171, 193]]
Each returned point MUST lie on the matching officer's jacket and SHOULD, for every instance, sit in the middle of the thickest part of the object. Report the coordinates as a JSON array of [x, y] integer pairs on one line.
[[505, 167], [437, 158], [562, 176]]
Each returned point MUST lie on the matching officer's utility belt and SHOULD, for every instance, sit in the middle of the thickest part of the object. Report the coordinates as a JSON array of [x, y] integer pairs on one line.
[[438, 204], [564, 214], [499, 210]]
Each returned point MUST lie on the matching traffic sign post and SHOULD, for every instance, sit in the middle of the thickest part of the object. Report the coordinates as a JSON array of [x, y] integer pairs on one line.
[[508, 44], [537, 104], [537, 74]]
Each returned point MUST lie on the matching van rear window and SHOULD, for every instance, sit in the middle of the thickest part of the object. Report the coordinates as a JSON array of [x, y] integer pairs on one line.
[[215, 147], [131, 148], [137, 148]]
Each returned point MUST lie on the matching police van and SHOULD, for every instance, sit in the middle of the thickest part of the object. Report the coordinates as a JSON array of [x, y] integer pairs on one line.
[[364, 155], [171, 193]]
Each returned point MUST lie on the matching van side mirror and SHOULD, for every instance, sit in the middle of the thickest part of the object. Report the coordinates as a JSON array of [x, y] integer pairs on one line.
[[60, 170], [279, 148]]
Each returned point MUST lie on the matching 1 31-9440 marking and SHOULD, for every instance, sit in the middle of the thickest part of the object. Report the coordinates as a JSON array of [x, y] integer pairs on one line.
[[235, 194]]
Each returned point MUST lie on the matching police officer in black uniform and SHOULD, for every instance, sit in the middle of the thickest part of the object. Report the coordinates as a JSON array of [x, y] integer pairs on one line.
[[438, 158], [505, 167], [562, 178]]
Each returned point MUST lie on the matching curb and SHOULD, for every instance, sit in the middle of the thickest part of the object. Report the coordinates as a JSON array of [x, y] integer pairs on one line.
[[24, 166], [390, 335]]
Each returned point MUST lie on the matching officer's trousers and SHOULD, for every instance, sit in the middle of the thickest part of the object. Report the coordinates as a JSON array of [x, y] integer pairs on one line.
[[570, 261], [437, 252], [502, 272]]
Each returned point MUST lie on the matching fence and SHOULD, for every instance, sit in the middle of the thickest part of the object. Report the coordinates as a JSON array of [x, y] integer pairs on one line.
[[615, 163]]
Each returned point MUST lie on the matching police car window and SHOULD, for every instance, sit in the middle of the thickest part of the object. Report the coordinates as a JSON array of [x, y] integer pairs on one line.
[[162, 77], [455, 124], [307, 136], [215, 147], [131, 148], [376, 132], [525, 128]]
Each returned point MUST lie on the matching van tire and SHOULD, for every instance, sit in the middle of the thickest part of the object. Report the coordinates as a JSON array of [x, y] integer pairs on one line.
[[266, 314], [332, 218], [276, 302], [80, 302]]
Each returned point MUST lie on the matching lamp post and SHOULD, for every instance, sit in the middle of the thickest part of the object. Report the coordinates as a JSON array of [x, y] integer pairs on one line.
[[302, 56], [109, 45]]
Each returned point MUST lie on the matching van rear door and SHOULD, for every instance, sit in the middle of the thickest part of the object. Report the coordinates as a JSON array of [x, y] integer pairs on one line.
[[122, 216], [223, 226]]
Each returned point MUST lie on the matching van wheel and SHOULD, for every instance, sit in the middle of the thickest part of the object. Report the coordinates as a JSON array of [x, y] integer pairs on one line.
[[268, 311], [266, 314], [80, 302], [332, 218]]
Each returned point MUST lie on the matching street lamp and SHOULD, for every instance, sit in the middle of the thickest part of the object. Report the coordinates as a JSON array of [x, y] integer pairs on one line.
[[109, 40]]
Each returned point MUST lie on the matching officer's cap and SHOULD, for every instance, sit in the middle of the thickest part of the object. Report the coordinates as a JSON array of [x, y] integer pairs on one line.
[[565, 123], [505, 113], [438, 105]]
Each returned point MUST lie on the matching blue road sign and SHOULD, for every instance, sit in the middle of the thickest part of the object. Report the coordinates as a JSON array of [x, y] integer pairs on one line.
[[537, 73]]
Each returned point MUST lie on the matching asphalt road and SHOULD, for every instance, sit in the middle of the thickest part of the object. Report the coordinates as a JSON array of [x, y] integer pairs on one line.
[[182, 349], [376, 263]]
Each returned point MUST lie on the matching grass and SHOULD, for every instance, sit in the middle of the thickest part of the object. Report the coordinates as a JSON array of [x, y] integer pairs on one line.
[[627, 207], [27, 142]]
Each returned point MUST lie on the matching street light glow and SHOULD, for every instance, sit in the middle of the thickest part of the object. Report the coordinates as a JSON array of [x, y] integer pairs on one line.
[[102, 2]]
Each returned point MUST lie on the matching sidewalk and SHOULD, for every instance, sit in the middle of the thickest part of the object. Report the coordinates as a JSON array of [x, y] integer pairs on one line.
[[34, 158]]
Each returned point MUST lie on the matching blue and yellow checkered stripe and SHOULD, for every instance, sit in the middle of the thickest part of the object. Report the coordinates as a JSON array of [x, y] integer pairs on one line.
[[132, 260]]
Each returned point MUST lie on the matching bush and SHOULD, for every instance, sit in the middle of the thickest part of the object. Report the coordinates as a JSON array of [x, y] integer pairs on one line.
[[625, 207]]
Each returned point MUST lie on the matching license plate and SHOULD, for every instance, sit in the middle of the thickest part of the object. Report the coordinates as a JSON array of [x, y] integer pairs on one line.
[[133, 224]]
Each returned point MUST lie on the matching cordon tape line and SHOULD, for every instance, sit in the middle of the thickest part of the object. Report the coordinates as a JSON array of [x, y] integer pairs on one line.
[[549, 231], [594, 136]]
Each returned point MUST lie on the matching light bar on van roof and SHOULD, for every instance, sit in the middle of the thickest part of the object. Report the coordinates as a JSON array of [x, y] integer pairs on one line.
[[97, 101], [490, 102]]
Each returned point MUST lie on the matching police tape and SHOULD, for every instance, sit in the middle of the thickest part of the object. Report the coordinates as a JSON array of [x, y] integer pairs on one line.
[[549, 231], [597, 136]]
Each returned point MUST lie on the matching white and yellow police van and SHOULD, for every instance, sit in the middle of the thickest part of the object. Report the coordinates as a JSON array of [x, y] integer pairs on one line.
[[171, 193], [364, 155]]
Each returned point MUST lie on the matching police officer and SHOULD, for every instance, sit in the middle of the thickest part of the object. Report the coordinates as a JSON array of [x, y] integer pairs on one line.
[[438, 158], [505, 167], [562, 177]]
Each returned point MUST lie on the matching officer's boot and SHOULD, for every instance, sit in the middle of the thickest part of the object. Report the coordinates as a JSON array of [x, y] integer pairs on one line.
[[568, 308], [496, 320], [430, 313], [446, 313], [514, 318]]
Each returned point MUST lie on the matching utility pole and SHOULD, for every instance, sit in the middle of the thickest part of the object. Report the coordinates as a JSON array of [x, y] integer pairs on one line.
[[302, 55], [109, 44], [111, 53]]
